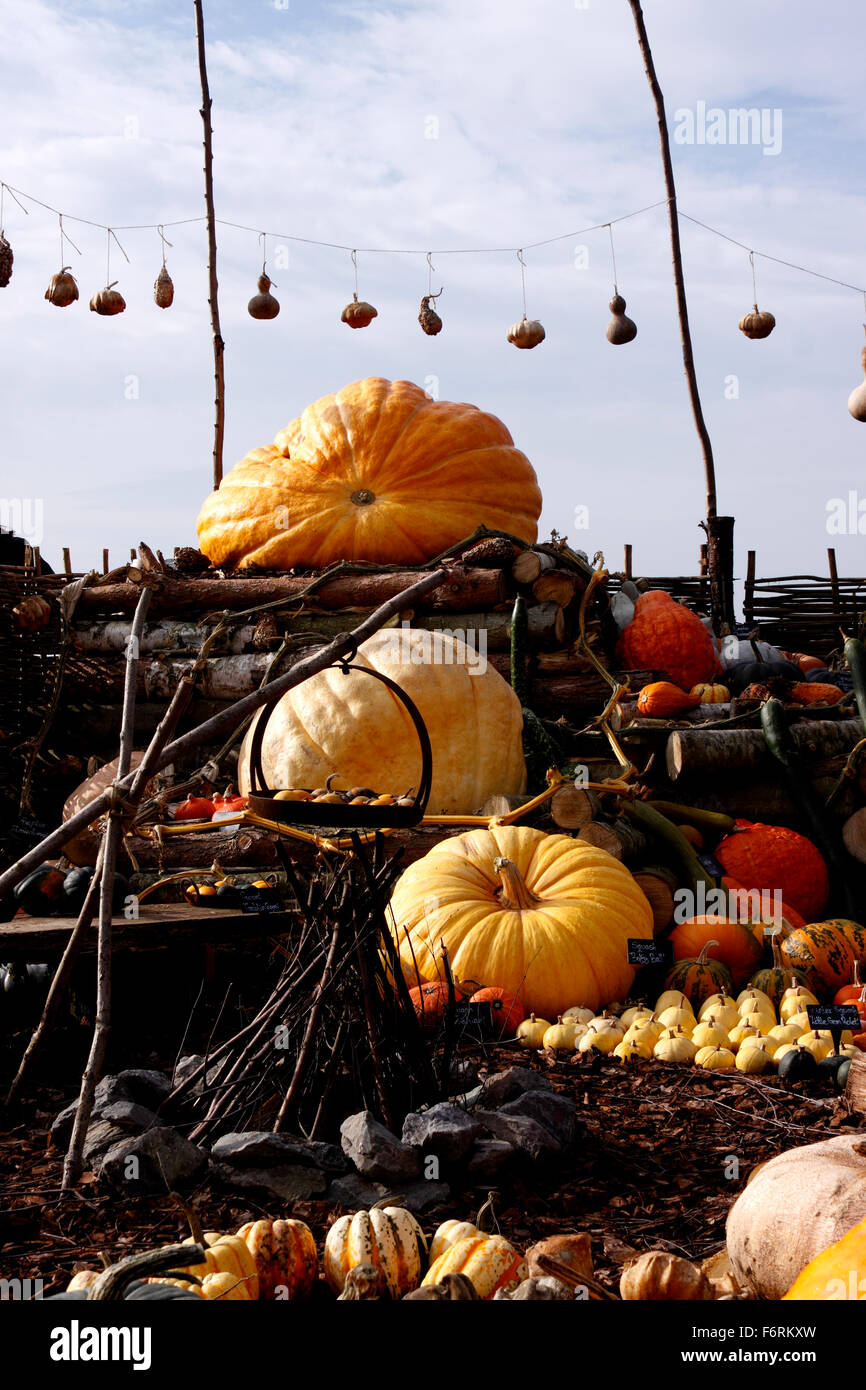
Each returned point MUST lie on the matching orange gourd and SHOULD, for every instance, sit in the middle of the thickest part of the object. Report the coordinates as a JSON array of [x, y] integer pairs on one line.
[[807, 663], [825, 953], [376, 472], [816, 693], [662, 700], [850, 993], [507, 1011], [733, 943], [667, 636], [772, 857]]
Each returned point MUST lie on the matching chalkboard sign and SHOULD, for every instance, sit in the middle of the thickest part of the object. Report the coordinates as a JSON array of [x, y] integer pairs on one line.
[[478, 1015], [257, 900], [649, 952], [839, 1016]]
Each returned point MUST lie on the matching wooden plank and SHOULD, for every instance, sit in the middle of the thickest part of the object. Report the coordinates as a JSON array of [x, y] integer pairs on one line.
[[159, 927]]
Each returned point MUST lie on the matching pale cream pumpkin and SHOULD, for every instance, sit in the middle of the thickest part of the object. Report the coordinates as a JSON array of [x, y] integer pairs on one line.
[[544, 916], [378, 471], [356, 727]]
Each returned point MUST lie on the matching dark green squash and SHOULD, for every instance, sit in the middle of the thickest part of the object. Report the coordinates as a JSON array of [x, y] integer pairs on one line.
[[743, 673], [75, 887], [40, 894], [776, 978], [798, 1065], [122, 1281], [829, 1067]]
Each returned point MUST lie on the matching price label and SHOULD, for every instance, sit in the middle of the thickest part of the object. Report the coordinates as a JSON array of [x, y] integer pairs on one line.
[[649, 952], [839, 1016], [479, 1015], [257, 900]]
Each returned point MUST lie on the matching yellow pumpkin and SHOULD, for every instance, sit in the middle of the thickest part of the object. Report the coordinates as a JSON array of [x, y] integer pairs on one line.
[[762, 1021], [354, 726], [448, 1234], [764, 1041], [388, 1238], [562, 1035], [644, 1030], [599, 1038], [630, 1049], [785, 1033], [530, 1033], [672, 999], [711, 694], [677, 1018], [633, 1015], [754, 1059], [709, 1034], [716, 1058], [578, 1013], [674, 1047], [379, 472], [489, 1262], [545, 916], [226, 1255], [751, 998], [795, 1001]]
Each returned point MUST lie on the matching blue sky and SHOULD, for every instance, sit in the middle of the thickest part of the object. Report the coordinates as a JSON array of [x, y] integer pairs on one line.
[[544, 125]]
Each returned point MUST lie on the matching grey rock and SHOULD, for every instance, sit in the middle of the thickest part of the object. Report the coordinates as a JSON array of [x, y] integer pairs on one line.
[[145, 1087], [444, 1130], [287, 1182], [558, 1114], [375, 1151], [503, 1086], [165, 1160], [110, 1091], [354, 1193], [112, 1124], [261, 1149], [487, 1158], [531, 1140]]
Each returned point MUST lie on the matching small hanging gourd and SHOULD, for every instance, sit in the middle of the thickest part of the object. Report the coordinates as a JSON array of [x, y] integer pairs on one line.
[[163, 289], [6, 259], [108, 301], [856, 400], [62, 288], [263, 305], [621, 329], [359, 313], [757, 324], [427, 316], [526, 333]]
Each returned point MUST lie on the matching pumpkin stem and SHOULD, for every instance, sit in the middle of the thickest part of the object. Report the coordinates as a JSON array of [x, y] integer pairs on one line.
[[485, 1207], [702, 954], [112, 1282], [514, 893], [193, 1219]]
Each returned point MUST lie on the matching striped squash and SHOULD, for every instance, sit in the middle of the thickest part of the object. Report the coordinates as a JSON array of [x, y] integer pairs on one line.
[[389, 1238], [825, 953], [225, 1255], [448, 1234], [489, 1262], [699, 977], [285, 1256]]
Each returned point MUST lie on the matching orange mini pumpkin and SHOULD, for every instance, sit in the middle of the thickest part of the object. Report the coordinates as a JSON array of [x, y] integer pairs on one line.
[[667, 636], [377, 472], [662, 700], [711, 694], [772, 857]]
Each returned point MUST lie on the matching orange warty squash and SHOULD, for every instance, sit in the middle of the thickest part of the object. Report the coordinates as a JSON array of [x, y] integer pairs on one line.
[[662, 700], [506, 1008], [825, 953], [816, 693], [668, 637], [378, 472], [733, 943], [771, 857]]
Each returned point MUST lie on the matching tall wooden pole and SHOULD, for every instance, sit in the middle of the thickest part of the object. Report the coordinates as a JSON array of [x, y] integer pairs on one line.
[[719, 529], [213, 290]]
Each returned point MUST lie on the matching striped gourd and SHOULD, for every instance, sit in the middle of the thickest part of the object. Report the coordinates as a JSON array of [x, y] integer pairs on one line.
[[825, 952], [699, 977], [285, 1256], [489, 1262], [389, 1238]]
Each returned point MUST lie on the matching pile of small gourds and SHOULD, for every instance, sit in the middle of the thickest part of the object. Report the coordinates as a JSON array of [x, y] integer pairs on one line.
[[744, 1033]]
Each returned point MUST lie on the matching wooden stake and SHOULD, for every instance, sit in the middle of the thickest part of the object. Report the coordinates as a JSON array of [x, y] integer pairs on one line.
[[67, 562], [213, 287], [105, 562], [627, 561]]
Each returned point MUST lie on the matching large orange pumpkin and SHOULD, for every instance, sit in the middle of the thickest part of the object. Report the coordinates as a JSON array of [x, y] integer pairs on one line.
[[825, 953], [377, 471], [735, 944], [771, 857], [545, 916], [667, 636], [355, 727]]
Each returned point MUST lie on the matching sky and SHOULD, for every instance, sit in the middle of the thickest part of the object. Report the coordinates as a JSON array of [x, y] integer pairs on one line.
[[419, 125]]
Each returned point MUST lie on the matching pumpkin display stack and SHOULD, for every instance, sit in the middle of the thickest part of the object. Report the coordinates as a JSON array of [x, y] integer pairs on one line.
[[376, 472]]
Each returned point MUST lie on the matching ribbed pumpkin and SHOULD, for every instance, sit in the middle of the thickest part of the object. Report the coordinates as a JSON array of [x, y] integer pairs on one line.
[[376, 472], [663, 635], [771, 857], [388, 1238], [355, 727], [699, 977], [227, 1255], [507, 1011], [662, 700], [839, 1272], [430, 1001], [733, 943], [285, 1256], [816, 693], [490, 1262], [711, 694], [774, 979], [545, 916], [825, 953]]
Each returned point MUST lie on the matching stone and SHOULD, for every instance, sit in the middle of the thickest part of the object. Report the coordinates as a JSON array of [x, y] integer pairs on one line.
[[112, 1124], [503, 1086], [262, 1149], [444, 1130], [487, 1158], [111, 1090], [375, 1151], [557, 1113], [529, 1138], [165, 1160], [146, 1087], [354, 1193], [287, 1182]]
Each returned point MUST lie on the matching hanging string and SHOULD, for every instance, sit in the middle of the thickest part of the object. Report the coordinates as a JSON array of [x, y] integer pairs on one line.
[[754, 283], [765, 255], [355, 267], [612, 255], [165, 243], [522, 278], [3, 188], [64, 237], [108, 239], [429, 273]]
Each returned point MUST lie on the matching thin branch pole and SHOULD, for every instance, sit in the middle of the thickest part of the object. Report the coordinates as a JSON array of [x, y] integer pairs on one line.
[[111, 841], [673, 220], [218, 725], [213, 288]]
